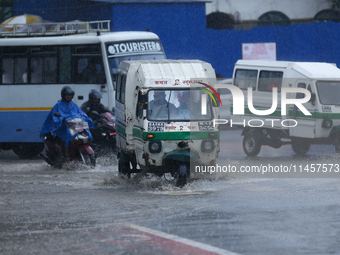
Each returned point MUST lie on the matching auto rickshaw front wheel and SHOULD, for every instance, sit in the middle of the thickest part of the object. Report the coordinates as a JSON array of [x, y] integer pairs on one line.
[[182, 175], [124, 168]]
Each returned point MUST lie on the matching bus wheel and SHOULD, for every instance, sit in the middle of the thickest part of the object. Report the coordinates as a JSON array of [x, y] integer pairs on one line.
[[300, 146], [6, 146], [182, 175], [27, 150], [251, 144]]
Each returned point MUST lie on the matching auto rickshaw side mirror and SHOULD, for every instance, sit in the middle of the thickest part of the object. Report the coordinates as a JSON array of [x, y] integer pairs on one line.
[[217, 104], [143, 98], [312, 98], [142, 104]]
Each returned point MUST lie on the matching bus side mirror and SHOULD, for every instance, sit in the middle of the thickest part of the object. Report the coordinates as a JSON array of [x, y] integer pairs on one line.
[[312, 98]]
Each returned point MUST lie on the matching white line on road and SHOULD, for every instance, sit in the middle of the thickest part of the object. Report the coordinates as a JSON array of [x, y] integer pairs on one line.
[[180, 239]]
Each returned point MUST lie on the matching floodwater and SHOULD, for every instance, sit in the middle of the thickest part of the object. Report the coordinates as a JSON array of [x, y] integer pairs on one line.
[[84, 210]]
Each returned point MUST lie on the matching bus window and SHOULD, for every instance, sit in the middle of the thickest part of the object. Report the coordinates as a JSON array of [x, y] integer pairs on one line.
[[115, 61], [7, 70], [65, 65], [91, 71], [50, 70], [43, 64], [36, 70], [20, 70], [43, 70]]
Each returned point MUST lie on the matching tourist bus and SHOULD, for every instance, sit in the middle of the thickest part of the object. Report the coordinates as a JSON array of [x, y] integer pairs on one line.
[[37, 64]]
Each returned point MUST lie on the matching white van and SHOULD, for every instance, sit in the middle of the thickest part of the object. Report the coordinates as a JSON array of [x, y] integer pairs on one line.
[[159, 119], [264, 78]]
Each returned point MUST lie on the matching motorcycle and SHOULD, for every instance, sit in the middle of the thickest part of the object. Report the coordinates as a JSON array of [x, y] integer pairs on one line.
[[79, 148], [104, 135]]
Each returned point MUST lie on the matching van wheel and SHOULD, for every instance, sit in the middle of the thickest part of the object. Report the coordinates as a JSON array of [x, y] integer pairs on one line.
[[182, 176], [337, 149], [251, 144], [124, 168], [300, 146]]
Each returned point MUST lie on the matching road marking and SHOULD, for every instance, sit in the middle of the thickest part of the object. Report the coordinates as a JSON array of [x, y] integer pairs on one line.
[[184, 193], [203, 247]]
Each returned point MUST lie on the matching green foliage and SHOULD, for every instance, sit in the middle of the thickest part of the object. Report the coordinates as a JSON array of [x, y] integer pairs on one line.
[[6, 9], [335, 4]]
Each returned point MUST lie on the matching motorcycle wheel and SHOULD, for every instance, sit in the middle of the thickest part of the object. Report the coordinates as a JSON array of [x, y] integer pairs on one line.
[[182, 176], [89, 159]]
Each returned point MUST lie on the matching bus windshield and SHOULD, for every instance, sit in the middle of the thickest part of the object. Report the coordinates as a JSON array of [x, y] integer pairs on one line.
[[177, 105], [114, 62], [329, 92]]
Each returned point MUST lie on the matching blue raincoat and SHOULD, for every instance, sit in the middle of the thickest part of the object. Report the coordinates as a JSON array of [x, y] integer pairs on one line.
[[57, 127]]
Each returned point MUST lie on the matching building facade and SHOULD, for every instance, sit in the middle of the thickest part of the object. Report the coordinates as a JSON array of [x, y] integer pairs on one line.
[[184, 30], [243, 14]]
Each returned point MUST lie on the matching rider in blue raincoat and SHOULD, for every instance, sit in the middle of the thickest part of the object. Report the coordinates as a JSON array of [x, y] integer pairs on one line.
[[68, 109], [56, 127]]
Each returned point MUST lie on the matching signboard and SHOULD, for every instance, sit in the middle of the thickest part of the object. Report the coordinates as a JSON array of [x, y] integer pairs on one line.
[[259, 51], [133, 47]]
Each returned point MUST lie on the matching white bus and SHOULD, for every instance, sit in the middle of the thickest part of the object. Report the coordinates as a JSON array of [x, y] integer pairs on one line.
[[36, 65]]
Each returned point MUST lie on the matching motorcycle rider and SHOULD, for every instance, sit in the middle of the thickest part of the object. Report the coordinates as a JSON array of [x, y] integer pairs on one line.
[[93, 108], [55, 133], [93, 104]]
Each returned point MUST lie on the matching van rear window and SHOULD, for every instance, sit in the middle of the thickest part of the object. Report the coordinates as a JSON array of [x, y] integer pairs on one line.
[[245, 78]]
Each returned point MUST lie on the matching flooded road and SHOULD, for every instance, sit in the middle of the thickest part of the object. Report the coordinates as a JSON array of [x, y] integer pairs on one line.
[[83, 210]]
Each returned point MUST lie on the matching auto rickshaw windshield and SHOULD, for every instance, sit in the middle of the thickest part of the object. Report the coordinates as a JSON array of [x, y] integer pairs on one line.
[[178, 105]]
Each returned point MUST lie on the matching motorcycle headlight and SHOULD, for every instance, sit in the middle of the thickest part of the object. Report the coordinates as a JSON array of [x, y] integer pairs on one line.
[[155, 146], [207, 146]]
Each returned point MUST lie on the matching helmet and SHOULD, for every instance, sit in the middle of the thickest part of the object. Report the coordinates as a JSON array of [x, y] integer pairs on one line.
[[67, 90], [94, 94]]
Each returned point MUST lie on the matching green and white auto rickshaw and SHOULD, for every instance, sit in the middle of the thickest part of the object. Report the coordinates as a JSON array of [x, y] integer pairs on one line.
[[163, 126]]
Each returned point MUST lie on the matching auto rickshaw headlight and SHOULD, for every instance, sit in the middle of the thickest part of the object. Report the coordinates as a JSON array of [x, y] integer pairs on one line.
[[155, 146], [182, 144], [207, 146], [327, 123]]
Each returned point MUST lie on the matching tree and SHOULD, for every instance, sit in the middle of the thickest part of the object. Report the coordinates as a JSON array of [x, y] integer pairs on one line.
[[6, 9], [335, 4]]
